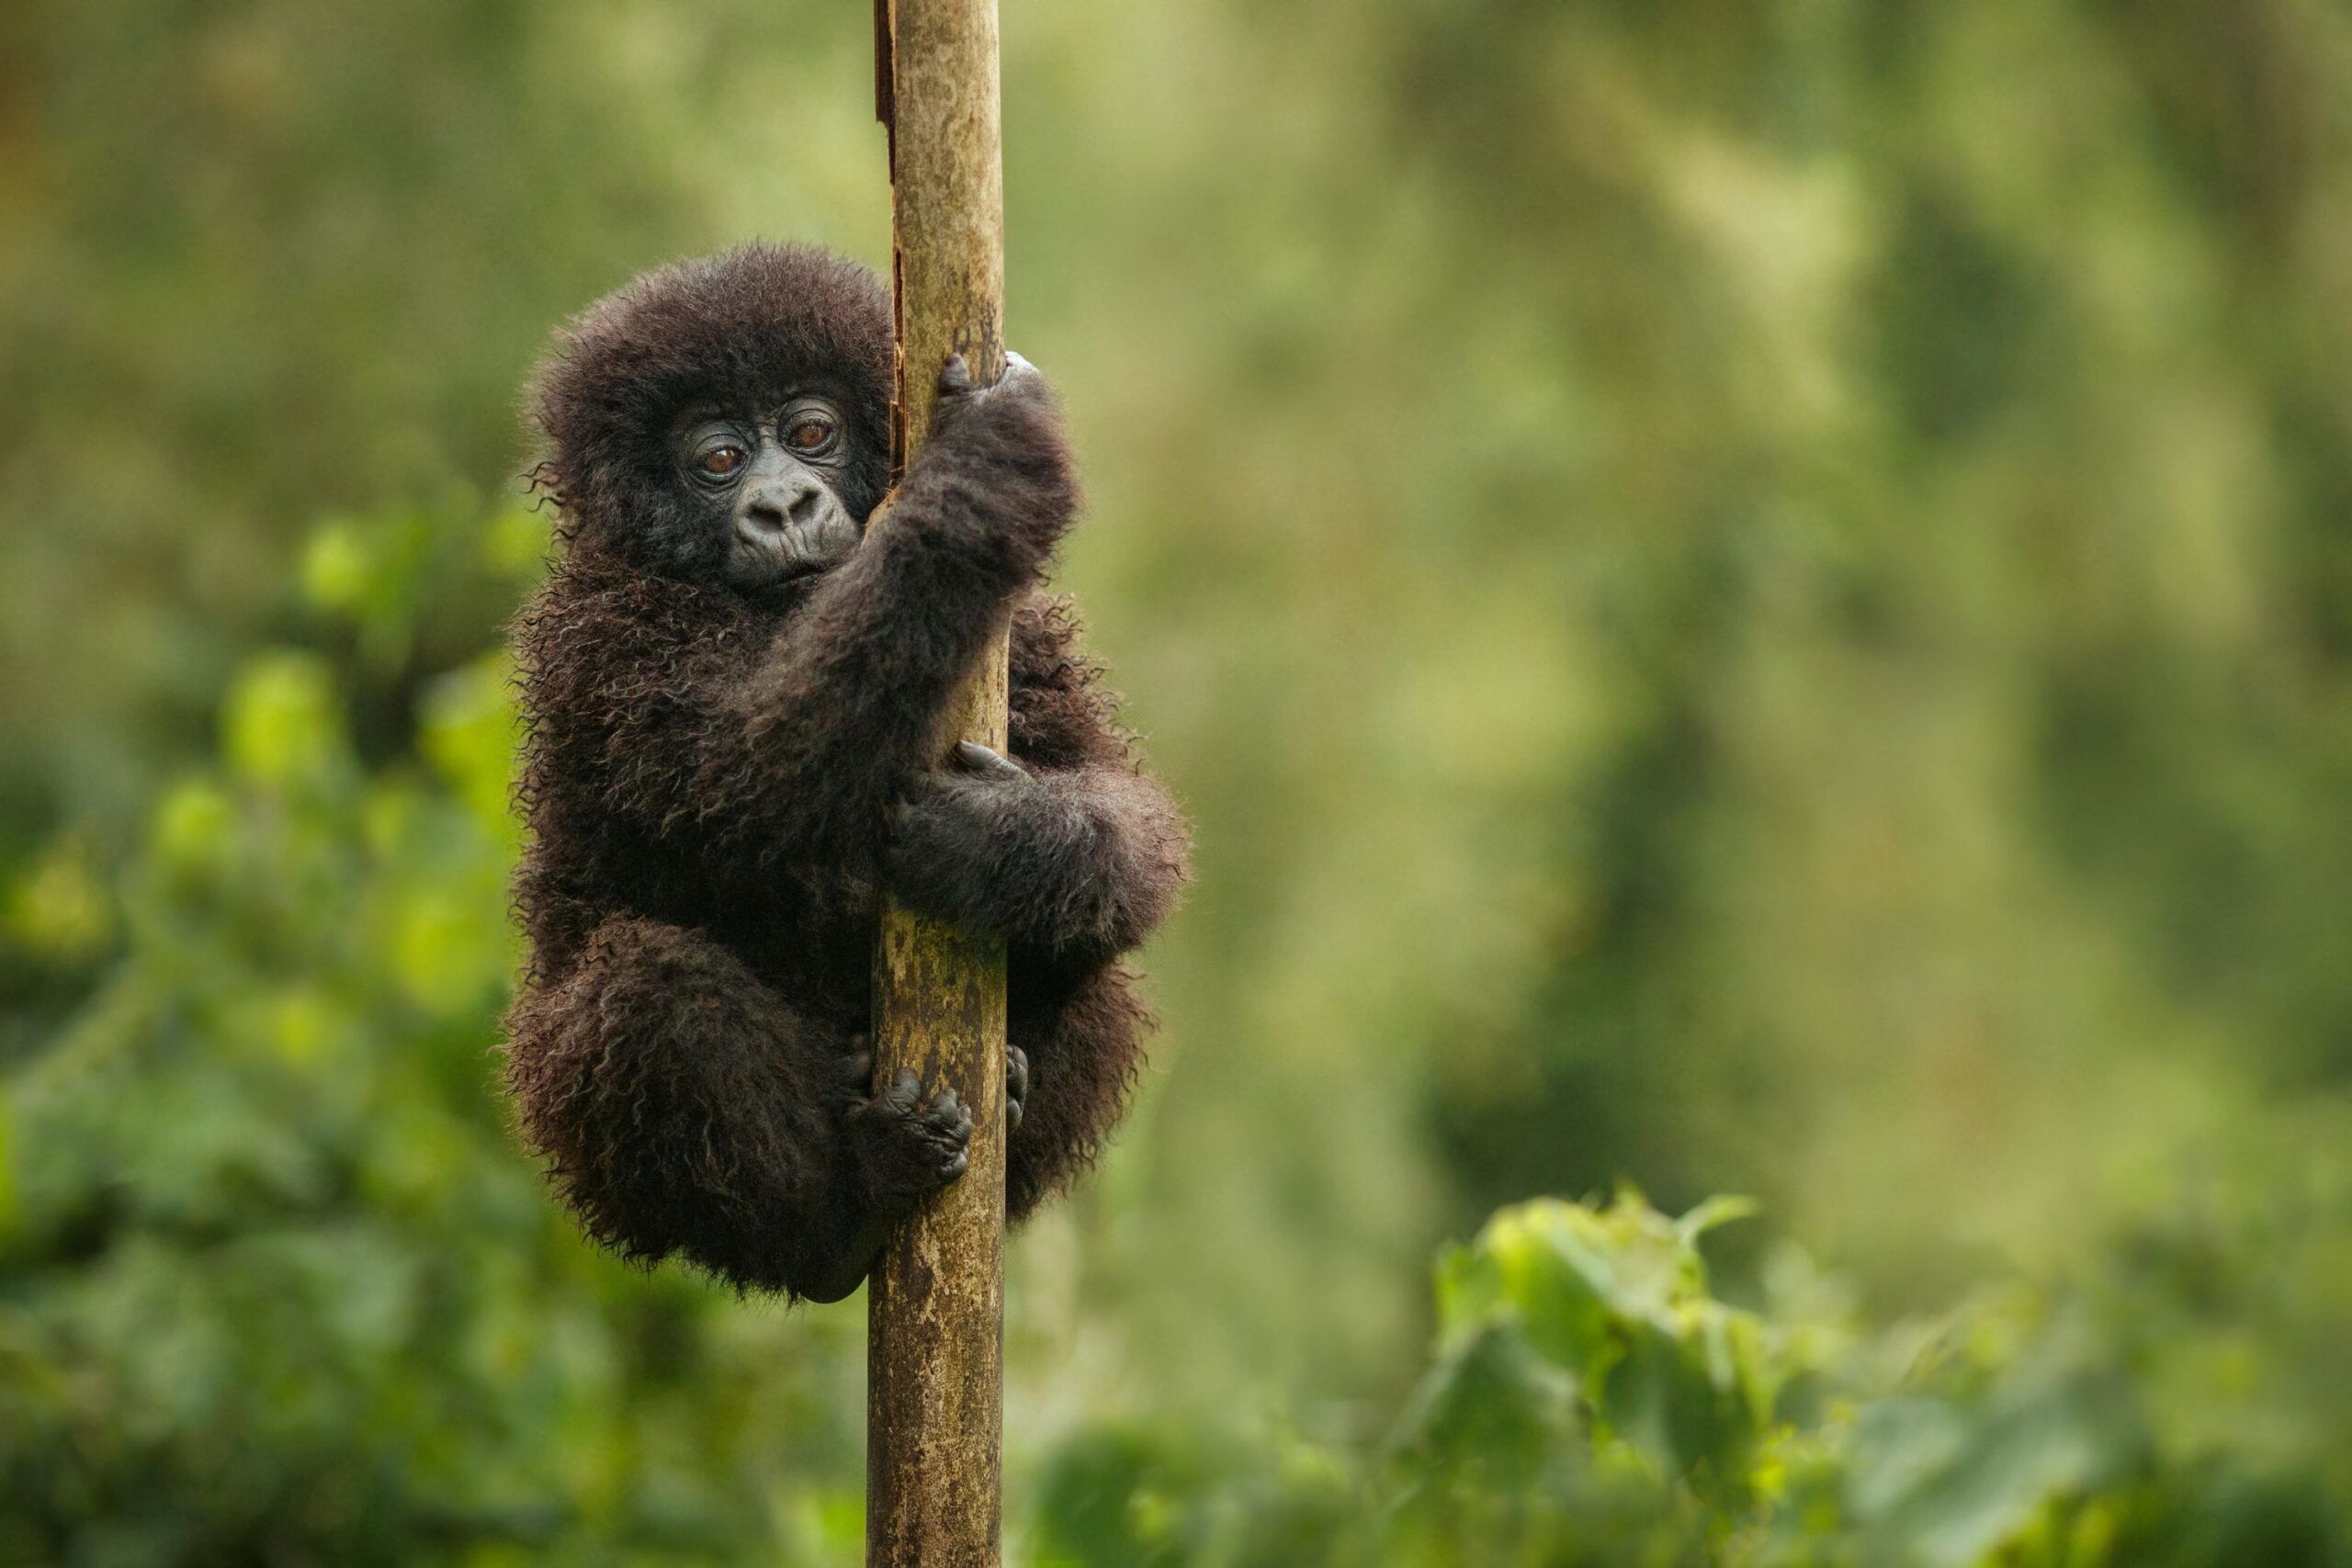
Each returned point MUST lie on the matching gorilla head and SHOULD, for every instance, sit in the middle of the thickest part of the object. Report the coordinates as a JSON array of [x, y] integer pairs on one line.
[[725, 420]]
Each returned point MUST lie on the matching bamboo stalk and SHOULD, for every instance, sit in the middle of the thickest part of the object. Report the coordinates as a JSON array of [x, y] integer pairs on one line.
[[935, 1361]]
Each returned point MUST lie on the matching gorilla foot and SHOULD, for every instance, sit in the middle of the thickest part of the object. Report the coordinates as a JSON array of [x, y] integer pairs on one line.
[[909, 1141]]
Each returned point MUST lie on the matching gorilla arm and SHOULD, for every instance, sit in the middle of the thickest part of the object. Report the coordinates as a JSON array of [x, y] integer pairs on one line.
[[1074, 865], [1074, 851], [795, 759], [853, 691]]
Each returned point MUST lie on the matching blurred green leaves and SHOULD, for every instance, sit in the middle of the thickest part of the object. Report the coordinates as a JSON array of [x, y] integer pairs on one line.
[[59, 908], [282, 730], [275, 1283], [1616, 1300], [1592, 1402]]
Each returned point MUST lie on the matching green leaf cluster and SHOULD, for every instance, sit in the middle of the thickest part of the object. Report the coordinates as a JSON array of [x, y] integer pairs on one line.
[[276, 1284], [1592, 1402]]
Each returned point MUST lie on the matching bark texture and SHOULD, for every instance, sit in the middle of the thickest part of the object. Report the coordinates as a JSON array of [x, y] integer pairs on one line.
[[935, 1359]]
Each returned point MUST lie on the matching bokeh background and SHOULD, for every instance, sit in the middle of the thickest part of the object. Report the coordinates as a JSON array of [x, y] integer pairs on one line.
[[1750, 599]]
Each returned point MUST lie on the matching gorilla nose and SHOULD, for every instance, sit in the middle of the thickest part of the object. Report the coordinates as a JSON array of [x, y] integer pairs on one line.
[[771, 507]]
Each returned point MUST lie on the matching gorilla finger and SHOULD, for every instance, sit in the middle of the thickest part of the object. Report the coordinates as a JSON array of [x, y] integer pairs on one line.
[[975, 758], [898, 1098], [1016, 1085], [1023, 378], [955, 376]]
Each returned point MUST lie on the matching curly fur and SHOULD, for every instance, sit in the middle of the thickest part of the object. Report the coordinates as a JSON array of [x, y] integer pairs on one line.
[[713, 778]]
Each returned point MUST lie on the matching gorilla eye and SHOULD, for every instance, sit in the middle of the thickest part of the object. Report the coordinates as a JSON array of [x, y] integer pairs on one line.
[[810, 433], [719, 461]]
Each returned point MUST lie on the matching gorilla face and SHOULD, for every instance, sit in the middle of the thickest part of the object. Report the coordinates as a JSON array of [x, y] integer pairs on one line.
[[770, 489], [724, 421]]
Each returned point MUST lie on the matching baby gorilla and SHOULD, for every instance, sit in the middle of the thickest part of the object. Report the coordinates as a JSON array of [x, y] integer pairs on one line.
[[736, 700]]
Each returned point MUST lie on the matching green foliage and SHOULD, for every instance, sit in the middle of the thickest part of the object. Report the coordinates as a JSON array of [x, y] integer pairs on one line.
[[1592, 1402], [275, 1284]]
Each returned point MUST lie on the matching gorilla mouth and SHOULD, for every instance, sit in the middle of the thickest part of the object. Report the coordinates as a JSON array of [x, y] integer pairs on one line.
[[801, 547]]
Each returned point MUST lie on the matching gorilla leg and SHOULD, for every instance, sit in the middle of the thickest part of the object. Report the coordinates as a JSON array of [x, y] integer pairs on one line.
[[684, 1108], [1082, 1053]]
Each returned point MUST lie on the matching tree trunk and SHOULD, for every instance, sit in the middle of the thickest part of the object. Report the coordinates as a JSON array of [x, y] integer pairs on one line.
[[934, 1365]]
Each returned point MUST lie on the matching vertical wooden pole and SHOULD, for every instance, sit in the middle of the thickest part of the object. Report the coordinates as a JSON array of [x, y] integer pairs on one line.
[[934, 1362]]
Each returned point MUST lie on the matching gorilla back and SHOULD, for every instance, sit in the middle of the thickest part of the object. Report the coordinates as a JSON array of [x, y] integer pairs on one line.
[[736, 697]]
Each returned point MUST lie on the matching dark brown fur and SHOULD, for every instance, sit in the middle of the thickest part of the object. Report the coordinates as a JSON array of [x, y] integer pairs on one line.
[[712, 780]]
